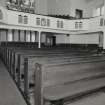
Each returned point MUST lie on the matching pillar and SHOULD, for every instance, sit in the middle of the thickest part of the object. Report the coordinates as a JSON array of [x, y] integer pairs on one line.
[[24, 35], [104, 7], [6, 38], [27, 36], [0, 35], [33, 36], [30, 36], [13, 35], [18, 35], [104, 39], [39, 39], [104, 27], [10, 35], [100, 40]]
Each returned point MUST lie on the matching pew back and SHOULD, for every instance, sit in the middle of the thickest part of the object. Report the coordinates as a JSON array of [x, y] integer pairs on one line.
[[48, 78]]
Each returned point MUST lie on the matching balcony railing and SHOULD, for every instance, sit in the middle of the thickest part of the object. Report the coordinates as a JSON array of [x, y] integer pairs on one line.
[[16, 18]]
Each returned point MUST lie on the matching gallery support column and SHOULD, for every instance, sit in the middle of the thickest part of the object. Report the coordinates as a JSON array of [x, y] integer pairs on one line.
[[13, 35], [30, 36], [104, 39], [10, 35], [6, 38], [39, 39], [100, 40], [24, 35], [19, 32]]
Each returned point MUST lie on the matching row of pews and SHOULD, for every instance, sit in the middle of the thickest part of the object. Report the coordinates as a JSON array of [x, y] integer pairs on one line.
[[54, 76]]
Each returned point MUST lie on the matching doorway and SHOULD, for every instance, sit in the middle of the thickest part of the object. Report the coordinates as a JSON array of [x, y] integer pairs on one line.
[[50, 40], [53, 40]]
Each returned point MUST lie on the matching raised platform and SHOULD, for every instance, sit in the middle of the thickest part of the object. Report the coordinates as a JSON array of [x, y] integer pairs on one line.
[[9, 93]]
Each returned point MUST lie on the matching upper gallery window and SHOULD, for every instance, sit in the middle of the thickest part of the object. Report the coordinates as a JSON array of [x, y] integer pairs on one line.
[[99, 11], [1, 15], [102, 10]]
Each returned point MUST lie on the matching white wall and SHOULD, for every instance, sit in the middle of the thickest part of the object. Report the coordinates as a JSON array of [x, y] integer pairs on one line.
[[78, 39], [51, 7], [33, 36], [41, 7], [91, 5], [3, 36], [16, 36], [59, 7], [28, 39], [62, 39], [22, 36], [87, 5], [65, 7], [78, 4], [10, 35], [2, 3], [85, 39], [43, 37]]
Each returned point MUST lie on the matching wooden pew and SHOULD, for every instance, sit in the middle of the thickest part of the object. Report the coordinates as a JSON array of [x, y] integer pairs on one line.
[[55, 83], [37, 56], [28, 82], [19, 61], [20, 44], [7, 52], [12, 62], [37, 53], [47, 56], [7, 55]]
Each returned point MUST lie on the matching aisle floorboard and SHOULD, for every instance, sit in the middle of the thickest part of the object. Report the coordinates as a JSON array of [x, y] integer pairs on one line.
[[94, 99], [9, 94]]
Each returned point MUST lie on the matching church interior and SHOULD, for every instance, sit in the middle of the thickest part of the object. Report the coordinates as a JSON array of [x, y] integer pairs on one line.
[[52, 52]]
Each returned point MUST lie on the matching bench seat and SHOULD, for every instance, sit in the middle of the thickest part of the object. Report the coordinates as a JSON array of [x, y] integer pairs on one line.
[[59, 92]]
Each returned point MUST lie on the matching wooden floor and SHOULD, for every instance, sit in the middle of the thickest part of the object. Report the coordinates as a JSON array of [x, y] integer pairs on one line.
[[94, 99], [9, 94]]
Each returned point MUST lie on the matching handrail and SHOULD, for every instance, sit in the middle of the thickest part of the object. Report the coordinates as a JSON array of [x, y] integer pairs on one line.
[[54, 16], [26, 20]]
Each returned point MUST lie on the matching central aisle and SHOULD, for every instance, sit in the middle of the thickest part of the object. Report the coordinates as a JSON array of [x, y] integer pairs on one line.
[[94, 99], [9, 93]]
